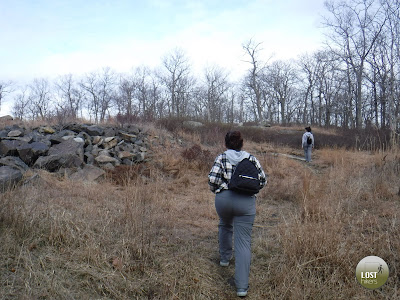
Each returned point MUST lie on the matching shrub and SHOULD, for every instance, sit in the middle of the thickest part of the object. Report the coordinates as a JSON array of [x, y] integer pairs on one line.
[[202, 159]]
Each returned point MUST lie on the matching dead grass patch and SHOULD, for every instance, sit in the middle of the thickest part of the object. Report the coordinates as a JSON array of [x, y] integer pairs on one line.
[[154, 234]]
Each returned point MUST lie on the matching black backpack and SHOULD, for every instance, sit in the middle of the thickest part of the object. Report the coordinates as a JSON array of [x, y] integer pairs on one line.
[[309, 140], [245, 178]]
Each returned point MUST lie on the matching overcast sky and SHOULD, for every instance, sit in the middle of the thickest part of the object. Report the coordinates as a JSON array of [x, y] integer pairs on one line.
[[46, 38]]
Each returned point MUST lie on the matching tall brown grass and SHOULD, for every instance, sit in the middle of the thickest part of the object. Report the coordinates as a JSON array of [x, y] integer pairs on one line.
[[150, 232]]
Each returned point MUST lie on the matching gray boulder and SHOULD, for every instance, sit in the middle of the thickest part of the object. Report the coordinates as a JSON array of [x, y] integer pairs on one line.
[[55, 162], [9, 177], [109, 132], [132, 129], [14, 162], [3, 133], [70, 146], [94, 130], [67, 154], [75, 127], [29, 153], [9, 147], [58, 137]]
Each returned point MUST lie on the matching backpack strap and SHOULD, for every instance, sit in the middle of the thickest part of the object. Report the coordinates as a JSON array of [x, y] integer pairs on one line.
[[224, 159]]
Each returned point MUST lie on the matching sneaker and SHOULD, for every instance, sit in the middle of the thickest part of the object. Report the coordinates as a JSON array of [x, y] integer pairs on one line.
[[224, 263], [241, 292]]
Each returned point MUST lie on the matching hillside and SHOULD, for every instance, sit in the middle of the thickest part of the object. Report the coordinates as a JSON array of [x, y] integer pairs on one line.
[[149, 231]]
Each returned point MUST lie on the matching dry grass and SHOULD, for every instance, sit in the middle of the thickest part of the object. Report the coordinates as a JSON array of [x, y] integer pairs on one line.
[[150, 232]]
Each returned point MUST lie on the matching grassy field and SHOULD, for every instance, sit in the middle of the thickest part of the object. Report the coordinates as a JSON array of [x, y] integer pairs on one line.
[[150, 232]]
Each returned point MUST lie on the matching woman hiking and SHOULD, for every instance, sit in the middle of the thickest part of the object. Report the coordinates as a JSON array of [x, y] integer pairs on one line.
[[236, 210]]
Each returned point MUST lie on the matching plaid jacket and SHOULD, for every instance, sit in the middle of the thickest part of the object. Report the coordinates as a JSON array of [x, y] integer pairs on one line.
[[221, 173]]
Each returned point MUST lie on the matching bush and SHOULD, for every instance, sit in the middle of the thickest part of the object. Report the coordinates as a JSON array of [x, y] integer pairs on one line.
[[202, 159]]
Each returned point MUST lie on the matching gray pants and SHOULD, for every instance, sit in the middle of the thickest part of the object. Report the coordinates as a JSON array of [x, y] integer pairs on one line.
[[236, 217], [307, 153]]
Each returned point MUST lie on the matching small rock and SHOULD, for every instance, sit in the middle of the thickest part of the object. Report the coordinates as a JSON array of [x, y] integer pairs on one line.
[[127, 136], [79, 140], [108, 166], [140, 157], [47, 130], [14, 133], [89, 158], [88, 173], [125, 154], [110, 142], [67, 137], [104, 159], [97, 140]]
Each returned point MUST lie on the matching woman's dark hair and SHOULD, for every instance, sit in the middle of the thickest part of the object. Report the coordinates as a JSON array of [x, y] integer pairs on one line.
[[308, 129], [234, 140]]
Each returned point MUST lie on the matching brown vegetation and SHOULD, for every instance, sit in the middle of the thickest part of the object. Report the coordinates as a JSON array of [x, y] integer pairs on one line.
[[150, 231]]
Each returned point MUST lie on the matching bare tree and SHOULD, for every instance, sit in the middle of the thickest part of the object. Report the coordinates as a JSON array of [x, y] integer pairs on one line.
[[356, 26], [281, 78], [125, 99], [100, 92], [40, 98], [71, 97], [157, 103], [253, 79], [177, 81], [309, 75], [214, 93], [139, 94], [20, 105], [6, 87], [142, 91], [392, 12]]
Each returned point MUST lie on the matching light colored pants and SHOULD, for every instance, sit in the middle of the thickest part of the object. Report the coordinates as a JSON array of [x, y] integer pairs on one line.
[[236, 217], [307, 153]]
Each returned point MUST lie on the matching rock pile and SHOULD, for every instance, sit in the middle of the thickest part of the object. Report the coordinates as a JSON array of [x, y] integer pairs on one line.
[[84, 150]]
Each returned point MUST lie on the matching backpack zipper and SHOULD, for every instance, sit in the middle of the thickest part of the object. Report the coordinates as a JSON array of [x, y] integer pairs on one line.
[[248, 177]]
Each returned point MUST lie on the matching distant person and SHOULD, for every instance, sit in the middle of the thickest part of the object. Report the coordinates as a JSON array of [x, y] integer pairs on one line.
[[307, 143], [236, 211]]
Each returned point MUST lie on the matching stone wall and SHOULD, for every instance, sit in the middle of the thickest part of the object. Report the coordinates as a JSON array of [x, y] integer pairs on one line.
[[82, 150]]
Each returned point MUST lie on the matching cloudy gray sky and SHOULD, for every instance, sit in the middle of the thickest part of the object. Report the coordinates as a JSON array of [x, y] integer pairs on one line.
[[46, 38]]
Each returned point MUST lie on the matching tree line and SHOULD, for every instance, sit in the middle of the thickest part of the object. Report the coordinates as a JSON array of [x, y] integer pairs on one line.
[[352, 81]]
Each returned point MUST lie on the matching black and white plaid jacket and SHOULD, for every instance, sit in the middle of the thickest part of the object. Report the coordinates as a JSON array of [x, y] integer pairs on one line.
[[221, 173]]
